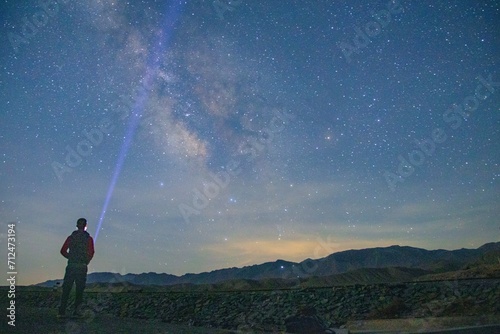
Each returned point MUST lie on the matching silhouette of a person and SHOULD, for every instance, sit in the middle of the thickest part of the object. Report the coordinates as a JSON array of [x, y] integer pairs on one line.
[[81, 251]]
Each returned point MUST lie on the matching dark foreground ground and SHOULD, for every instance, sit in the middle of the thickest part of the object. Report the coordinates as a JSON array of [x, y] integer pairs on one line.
[[445, 325], [412, 307], [43, 320]]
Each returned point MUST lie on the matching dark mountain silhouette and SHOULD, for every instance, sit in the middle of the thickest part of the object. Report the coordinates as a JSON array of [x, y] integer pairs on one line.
[[366, 276], [422, 260]]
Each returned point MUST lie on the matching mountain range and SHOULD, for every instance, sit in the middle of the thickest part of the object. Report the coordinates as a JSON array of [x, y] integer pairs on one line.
[[371, 264]]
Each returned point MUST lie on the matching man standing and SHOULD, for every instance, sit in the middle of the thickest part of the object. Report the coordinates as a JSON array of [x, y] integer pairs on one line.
[[81, 251]]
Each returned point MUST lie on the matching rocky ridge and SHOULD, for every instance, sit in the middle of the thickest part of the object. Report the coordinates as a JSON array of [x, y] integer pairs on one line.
[[268, 310]]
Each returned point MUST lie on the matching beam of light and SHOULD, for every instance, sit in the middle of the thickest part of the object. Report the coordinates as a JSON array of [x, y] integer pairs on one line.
[[166, 33]]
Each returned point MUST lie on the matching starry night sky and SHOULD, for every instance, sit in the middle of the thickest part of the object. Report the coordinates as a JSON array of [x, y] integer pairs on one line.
[[228, 133]]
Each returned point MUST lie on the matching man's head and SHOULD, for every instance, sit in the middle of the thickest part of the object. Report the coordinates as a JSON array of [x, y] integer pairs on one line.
[[81, 223]]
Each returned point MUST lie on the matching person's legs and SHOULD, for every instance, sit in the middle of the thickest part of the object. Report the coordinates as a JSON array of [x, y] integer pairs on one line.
[[69, 278], [80, 280]]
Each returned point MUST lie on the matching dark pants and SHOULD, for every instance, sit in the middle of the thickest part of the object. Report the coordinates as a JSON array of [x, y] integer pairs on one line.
[[76, 273]]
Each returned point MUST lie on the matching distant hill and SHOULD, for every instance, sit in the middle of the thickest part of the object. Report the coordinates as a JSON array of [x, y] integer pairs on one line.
[[401, 256], [387, 264], [366, 276], [486, 266], [469, 272], [489, 257]]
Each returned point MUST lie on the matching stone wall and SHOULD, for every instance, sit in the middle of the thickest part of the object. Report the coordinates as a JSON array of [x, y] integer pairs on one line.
[[267, 310]]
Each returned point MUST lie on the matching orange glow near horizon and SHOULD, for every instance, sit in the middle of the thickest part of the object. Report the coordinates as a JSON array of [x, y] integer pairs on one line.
[[249, 252]]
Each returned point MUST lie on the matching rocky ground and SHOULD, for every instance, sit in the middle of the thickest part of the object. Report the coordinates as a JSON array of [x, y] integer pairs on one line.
[[43, 320], [266, 311]]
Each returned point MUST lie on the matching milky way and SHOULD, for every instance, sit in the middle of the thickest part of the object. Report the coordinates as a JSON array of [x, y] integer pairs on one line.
[[240, 132]]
